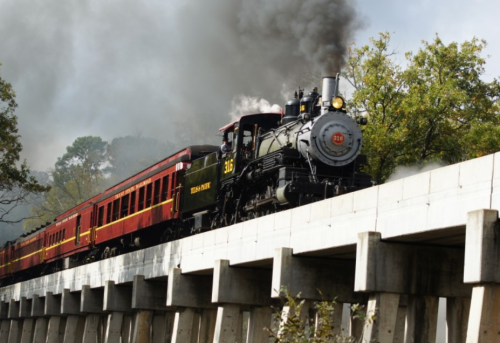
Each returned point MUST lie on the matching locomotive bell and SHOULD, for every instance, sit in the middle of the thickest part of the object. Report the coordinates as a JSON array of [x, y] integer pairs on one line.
[[308, 102], [292, 110]]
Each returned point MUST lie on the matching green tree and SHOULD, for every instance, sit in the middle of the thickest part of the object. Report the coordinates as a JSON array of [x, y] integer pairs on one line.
[[16, 185], [78, 175], [436, 108]]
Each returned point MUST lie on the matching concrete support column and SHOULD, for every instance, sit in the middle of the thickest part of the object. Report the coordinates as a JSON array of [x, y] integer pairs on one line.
[[41, 326], [482, 253], [457, 316], [207, 326], [15, 331], [28, 330], [238, 286], [55, 330], [484, 317], [127, 329], [91, 331], [226, 325], [141, 326], [421, 319], [260, 318], [161, 328], [184, 326], [114, 328], [4, 330], [190, 294], [399, 334], [75, 326], [384, 307], [118, 301]]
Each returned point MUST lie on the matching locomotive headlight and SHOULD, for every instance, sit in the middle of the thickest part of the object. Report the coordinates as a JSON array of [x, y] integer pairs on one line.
[[338, 102]]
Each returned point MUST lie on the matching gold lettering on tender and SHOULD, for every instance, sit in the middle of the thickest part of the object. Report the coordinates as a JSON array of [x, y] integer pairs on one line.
[[200, 188]]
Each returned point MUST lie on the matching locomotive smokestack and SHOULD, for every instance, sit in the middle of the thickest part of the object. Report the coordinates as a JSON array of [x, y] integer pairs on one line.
[[330, 85]]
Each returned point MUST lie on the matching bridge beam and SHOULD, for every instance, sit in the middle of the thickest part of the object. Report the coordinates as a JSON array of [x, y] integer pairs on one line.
[[117, 298], [70, 302], [37, 306], [482, 253], [25, 307], [423, 272]]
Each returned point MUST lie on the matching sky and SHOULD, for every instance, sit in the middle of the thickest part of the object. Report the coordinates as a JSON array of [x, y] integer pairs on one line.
[[177, 71]]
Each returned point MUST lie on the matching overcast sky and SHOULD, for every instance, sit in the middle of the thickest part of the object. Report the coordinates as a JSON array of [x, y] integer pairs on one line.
[[170, 69]]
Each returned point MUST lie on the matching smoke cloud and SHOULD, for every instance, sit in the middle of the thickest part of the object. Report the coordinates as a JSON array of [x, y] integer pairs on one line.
[[172, 71]]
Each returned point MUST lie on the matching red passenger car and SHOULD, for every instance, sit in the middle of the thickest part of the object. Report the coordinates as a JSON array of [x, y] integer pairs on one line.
[[123, 217]]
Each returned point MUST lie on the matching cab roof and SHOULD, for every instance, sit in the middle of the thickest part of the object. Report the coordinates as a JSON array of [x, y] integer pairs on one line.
[[231, 124]]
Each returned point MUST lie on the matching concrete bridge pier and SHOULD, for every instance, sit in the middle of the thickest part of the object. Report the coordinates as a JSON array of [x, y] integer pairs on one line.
[[236, 289], [309, 276], [56, 322], [149, 299], [41, 322], [117, 303], [190, 296], [91, 306], [29, 322], [423, 272], [4, 322], [16, 323], [482, 270], [75, 321]]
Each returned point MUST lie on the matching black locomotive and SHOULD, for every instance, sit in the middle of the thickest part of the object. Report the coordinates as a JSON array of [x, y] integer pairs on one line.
[[270, 162]]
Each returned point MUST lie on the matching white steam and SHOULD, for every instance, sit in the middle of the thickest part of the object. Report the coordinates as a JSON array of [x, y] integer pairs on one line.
[[243, 104], [402, 171]]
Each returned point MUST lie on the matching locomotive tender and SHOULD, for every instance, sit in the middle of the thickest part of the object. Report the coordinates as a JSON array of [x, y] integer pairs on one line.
[[271, 163]]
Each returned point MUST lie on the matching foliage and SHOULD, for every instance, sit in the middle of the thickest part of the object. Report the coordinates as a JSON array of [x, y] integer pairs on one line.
[[16, 185], [77, 176], [293, 326], [436, 108]]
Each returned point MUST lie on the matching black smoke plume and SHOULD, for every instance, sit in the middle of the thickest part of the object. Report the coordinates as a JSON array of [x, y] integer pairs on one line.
[[168, 70]]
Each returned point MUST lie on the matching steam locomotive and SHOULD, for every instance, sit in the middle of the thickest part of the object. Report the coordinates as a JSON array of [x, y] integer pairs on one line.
[[270, 162]]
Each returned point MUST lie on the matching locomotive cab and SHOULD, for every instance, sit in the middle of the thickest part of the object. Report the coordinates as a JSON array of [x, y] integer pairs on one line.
[[243, 136]]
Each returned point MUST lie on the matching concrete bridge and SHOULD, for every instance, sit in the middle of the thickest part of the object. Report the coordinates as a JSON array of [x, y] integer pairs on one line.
[[397, 247]]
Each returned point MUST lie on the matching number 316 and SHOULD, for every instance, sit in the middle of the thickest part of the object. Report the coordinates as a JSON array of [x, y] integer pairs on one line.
[[228, 166]]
